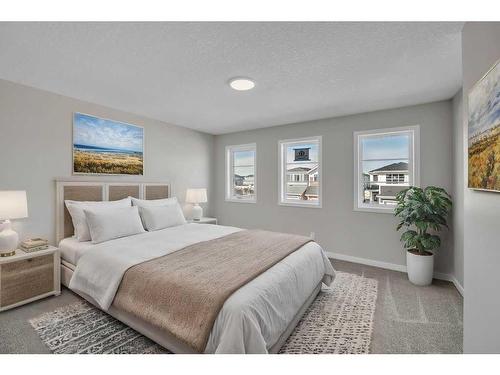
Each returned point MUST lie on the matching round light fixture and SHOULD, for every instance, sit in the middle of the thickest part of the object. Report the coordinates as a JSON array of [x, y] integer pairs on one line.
[[241, 84]]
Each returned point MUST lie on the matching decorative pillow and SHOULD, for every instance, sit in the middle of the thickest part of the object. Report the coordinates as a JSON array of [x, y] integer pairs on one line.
[[76, 208], [110, 223], [160, 217], [153, 202]]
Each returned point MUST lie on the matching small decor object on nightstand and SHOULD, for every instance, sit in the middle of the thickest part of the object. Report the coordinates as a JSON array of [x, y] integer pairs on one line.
[[34, 244], [13, 205], [196, 196]]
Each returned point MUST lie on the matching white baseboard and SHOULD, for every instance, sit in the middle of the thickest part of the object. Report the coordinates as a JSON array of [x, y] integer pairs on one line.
[[452, 279], [393, 267], [367, 262], [459, 287]]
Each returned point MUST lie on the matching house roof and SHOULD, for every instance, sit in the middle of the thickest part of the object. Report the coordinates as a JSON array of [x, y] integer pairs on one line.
[[313, 170], [401, 166], [299, 169]]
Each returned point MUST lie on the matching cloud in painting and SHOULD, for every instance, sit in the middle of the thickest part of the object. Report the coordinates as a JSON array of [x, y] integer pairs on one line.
[[484, 103], [93, 131]]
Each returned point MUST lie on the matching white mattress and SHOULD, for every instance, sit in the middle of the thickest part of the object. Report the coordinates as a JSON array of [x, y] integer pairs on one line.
[[72, 250], [251, 320]]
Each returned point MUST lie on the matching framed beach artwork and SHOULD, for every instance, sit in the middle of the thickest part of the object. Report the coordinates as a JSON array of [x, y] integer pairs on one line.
[[484, 132], [102, 146]]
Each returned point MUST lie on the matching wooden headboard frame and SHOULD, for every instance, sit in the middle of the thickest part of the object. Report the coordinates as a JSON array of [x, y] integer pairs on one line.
[[100, 191]]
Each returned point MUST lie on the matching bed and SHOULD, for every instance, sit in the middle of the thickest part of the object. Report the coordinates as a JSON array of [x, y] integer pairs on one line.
[[257, 318]]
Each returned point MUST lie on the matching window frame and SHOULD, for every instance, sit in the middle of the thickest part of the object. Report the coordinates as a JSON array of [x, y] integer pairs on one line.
[[282, 172], [413, 164], [229, 176]]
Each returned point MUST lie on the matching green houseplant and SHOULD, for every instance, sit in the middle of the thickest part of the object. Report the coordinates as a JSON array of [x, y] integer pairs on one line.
[[423, 213]]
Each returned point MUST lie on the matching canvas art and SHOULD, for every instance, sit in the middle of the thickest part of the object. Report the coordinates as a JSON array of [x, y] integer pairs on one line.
[[102, 146], [484, 132]]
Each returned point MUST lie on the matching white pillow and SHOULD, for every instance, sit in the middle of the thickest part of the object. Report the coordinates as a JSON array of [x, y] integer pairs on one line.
[[153, 202], [110, 223], [160, 217], [76, 208]]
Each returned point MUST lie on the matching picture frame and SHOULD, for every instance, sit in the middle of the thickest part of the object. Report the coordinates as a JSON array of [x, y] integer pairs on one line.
[[104, 146], [484, 132]]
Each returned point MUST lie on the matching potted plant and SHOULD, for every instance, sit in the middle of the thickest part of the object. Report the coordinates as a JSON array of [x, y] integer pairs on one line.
[[421, 211]]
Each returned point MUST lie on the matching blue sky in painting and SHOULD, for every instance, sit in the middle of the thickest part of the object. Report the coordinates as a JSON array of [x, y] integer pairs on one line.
[[484, 103], [94, 131]]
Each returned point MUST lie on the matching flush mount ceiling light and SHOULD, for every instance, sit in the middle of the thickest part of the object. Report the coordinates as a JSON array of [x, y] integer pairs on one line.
[[241, 84]]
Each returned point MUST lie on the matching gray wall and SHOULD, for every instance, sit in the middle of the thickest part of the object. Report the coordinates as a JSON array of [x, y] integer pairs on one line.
[[480, 50], [457, 227], [36, 148], [338, 228]]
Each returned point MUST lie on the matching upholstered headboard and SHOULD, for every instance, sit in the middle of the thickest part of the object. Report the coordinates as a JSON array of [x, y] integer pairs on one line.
[[100, 191]]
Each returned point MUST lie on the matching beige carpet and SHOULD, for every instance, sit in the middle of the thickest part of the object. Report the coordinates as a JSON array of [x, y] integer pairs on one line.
[[340, 320]]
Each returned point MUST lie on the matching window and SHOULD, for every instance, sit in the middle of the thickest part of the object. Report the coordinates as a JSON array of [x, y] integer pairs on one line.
[[300, 169], [240, 173], [395, 178], [386, 162]]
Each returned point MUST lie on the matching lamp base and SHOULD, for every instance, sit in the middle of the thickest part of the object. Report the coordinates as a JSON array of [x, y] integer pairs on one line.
[[8, 239], [197, 212], [4, 255]]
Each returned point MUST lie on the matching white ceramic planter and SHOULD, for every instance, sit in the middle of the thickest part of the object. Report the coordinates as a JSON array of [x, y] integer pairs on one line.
[[420, 268]]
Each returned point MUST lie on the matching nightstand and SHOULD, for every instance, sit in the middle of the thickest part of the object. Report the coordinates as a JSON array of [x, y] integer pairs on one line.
[[26, 277], [204, 220]]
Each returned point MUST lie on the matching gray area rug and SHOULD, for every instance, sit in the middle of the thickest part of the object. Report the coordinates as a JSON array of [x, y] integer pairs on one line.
[[340, 320]]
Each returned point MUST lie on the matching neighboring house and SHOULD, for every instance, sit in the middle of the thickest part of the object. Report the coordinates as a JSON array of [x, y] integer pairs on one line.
[[243, 180], [302, 183], [381, 185], [298, 174], [244, 185], [238, 180], [313, 174]]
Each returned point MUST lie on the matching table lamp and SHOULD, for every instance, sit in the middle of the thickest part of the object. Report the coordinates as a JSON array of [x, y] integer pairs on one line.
[[196, 196], [13, 205]]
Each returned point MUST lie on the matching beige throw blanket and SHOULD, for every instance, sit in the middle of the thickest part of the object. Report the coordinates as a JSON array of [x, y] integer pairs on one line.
[[183, 292]]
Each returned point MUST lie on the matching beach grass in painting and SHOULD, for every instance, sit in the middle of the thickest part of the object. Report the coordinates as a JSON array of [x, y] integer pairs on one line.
[[102, 146], [484, 132]]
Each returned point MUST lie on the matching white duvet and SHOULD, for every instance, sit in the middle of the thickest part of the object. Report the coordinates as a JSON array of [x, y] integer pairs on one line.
[[251, 320]]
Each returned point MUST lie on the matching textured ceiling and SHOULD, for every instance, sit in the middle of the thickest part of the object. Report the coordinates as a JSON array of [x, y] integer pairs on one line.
[[178, 72]]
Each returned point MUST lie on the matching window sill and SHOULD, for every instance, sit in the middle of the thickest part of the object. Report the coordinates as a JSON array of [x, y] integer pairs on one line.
[[303, 205], [377, 210], [229, 200]]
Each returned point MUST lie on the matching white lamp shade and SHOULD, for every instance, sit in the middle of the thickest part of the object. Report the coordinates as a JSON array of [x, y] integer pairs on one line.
[[13, 204], [196, 195]]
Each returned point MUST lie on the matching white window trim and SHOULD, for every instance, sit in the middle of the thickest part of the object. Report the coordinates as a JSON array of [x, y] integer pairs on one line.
[[229, 176], [282, 170], [413, 164]]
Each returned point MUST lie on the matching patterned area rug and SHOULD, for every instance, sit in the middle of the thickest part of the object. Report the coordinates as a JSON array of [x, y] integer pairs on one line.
[[340, 320]]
